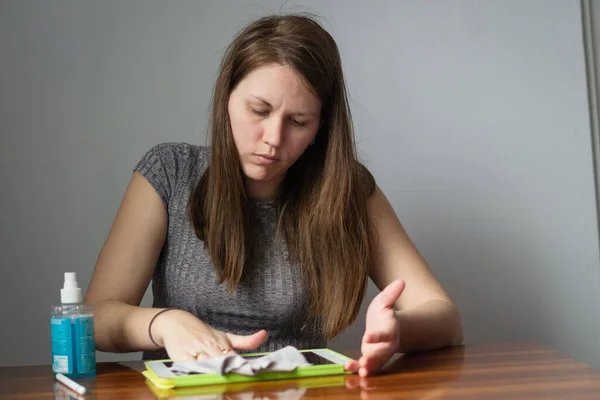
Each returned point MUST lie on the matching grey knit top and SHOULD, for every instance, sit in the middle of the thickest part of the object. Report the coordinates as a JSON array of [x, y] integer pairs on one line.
[[271, 297]]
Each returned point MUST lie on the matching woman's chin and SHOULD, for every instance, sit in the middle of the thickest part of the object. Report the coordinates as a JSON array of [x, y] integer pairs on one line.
[[259, 174], [257, 178]]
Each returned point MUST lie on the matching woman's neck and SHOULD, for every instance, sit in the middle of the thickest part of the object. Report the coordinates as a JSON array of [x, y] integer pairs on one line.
[[263, 190]]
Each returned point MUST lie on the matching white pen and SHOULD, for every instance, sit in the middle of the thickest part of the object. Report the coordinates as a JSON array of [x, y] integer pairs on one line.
[[70, 383]]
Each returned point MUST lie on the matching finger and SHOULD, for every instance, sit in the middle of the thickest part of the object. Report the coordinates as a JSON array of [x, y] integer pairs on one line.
[[226, 349], [375, 357], [201, 355], [181, 356], [390, 294], [196, 349], [224, 345], [378, 336], [206, 348], [351, 366], [371, 366], [248, 342], [189, 354], [365, 372], [213, 349]]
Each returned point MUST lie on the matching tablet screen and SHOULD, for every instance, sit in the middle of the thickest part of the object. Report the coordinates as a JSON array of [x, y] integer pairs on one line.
[[311, 357]]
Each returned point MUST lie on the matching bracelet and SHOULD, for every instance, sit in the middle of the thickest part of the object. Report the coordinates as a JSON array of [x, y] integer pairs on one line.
[[150, 325]]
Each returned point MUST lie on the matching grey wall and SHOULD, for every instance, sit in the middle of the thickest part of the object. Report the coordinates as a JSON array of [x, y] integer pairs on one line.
[[471, 114]]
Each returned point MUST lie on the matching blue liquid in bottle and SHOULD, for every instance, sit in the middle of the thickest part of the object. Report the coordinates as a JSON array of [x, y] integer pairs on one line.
[[72, 331]]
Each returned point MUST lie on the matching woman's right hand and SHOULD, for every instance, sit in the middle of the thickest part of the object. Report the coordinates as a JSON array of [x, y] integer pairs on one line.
[[186, 338]]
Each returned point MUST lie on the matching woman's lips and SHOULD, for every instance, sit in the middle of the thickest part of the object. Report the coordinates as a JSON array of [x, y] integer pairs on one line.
[[265, 159]]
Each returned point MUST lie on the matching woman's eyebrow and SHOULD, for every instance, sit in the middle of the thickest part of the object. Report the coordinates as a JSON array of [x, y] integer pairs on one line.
[[299, 113]]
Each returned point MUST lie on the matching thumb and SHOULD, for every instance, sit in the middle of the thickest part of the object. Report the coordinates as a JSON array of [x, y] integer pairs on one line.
[[247, 342], [389, 294]]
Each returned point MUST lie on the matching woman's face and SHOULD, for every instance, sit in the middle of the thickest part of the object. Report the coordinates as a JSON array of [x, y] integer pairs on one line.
[[274, 118]]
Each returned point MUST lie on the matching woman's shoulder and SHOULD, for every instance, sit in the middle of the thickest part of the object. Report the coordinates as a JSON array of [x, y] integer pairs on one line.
[[169, 164], [181, 151], [178, 155]]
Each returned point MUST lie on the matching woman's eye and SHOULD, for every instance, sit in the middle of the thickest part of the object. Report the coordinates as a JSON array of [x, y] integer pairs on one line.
[[260, 112], [298, 123]]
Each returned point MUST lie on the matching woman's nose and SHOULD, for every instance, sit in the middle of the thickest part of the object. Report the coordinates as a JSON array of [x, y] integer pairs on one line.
[[273, 132]]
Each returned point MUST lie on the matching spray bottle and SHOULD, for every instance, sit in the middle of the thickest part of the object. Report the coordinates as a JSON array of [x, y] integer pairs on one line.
[[72, 331]]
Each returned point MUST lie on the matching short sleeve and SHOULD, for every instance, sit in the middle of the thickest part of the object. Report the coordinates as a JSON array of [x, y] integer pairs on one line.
[[160, 166]]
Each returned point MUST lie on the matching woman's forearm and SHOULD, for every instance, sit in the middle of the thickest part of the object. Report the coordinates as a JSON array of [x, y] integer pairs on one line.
[[122, 328], [434, 324]]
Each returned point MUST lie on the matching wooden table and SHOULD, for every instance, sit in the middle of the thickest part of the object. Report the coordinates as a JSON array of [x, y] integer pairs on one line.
[[514, 370]]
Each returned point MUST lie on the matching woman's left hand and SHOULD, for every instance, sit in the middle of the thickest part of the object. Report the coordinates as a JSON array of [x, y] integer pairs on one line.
[[382, 332]]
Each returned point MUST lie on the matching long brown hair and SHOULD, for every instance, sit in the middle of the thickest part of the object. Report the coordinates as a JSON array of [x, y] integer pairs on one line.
[[321, 205]]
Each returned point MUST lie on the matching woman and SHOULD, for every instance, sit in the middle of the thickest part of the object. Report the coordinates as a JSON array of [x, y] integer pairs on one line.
[[266, 238]]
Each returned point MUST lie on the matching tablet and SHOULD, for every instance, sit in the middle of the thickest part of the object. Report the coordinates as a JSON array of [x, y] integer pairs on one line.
[[324, 362], [277, 389]]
